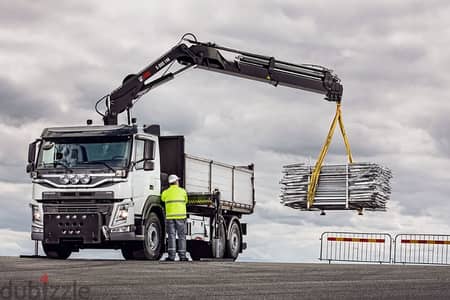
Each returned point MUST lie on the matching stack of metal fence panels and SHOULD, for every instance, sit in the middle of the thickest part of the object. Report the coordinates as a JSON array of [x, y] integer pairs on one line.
[[349, 186]]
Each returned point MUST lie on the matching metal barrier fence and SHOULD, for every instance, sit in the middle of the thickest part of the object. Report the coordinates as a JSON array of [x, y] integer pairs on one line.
[[422, 249], [356, 247], [381, 248]]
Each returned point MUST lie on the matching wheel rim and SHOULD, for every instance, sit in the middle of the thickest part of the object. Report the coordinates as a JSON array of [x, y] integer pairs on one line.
[[152, 237]]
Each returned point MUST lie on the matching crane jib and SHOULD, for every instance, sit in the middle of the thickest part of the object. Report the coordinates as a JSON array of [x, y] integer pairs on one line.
[[207, 56]]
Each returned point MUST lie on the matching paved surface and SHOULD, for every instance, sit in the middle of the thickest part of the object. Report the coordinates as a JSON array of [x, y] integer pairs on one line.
[[113, 279]]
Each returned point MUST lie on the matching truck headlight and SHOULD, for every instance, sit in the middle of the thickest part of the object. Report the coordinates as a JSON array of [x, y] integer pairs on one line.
[[64, 179], [85, 179], [121, 215], [121, 173], [74, 179], [36, 213]]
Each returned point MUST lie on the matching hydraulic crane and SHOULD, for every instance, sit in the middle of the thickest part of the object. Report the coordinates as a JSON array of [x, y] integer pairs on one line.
[[208, 56]]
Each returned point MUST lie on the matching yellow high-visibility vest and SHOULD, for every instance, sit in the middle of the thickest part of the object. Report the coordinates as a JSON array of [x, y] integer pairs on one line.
[[175, 199]]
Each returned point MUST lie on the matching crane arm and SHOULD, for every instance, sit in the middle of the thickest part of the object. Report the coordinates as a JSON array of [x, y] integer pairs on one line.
[[208, 56]]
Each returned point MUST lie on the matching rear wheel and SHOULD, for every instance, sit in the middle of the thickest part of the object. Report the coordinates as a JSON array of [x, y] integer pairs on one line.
[[151, 247], [234, 241], [56, 251]]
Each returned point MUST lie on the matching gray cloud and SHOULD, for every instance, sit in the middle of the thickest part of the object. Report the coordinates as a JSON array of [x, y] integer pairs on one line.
[[15, 213], [22, 106], [26, 13]]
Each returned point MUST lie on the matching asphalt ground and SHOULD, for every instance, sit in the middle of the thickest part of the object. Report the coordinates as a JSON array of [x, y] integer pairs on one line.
[[41, 278]]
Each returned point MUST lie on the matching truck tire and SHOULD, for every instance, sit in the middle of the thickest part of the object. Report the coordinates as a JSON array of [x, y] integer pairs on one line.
[[199, 250], [234, 241], [56, 251], [152, 246], [222, 243]]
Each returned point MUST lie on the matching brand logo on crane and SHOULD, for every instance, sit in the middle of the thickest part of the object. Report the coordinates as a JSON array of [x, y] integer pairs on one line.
[[161, 64]]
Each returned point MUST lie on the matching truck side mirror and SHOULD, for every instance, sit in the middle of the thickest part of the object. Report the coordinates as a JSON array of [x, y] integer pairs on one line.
[[149, 150], [31, 156], [149, 155], [32, 152], [30, 168]]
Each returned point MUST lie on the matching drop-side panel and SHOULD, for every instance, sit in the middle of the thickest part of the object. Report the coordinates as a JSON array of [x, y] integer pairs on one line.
[[235, 183], [197, 178], [222, 179], [243, 186]]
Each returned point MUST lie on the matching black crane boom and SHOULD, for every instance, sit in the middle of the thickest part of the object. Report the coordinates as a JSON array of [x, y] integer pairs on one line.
[[207, 56]]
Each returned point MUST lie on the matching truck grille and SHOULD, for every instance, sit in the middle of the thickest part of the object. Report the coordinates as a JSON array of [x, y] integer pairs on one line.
[[98, 208], [76, 195]]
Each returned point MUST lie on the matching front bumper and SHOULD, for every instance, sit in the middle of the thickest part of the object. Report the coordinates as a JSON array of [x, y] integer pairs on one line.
[[113, 236], [83, 225]]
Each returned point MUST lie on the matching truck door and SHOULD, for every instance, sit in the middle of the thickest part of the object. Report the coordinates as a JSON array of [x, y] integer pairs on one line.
[[145, 182]]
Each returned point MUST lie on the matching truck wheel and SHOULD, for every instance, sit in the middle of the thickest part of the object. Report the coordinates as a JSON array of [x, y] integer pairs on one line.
[[234, 242], [199, 250], [151, 247], [56, 251], [218, 251], [127, 252]]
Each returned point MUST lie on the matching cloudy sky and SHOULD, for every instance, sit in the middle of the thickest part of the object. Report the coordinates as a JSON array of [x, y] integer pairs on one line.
[[58, 57]]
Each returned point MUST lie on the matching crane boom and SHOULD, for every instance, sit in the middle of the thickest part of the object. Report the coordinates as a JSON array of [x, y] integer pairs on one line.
[[208, 56]]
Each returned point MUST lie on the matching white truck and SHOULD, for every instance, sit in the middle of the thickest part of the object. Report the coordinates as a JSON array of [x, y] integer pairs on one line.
[[100, 186]]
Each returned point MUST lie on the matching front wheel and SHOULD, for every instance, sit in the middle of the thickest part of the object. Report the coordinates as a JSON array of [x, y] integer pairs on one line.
[[151, 247], [56, 251]]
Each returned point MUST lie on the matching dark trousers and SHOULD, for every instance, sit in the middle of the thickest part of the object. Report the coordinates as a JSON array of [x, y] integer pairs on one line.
[[177, 226]]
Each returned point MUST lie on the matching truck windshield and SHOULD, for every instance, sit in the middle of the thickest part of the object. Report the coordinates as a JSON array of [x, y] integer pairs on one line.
[[76, 153]]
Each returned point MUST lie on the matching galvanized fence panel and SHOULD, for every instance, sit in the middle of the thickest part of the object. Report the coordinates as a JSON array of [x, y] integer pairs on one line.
[[356, 247], [422, 249]]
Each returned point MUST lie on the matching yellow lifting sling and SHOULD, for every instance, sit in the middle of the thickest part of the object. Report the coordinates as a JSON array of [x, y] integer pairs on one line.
[[317, 168]]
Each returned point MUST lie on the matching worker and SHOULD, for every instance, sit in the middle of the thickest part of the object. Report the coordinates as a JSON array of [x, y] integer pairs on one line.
[[175, 200]]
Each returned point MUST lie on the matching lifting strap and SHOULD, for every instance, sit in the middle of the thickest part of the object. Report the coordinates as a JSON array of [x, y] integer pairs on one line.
[[317, 168]]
